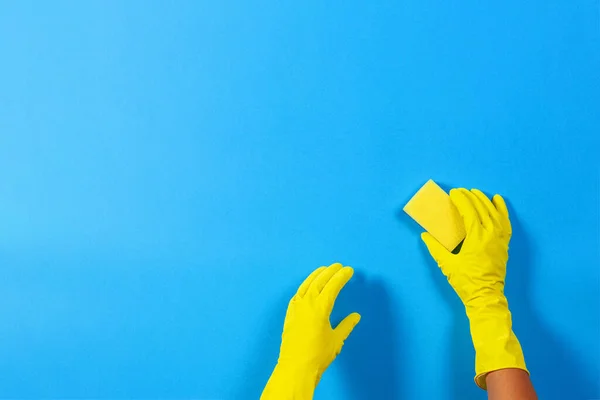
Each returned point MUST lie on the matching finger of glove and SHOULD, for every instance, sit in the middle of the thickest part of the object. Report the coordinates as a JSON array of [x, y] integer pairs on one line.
[[500, 205], [482, 212], [345, 327], [334, 286], [466, 210], [491, 209], [307, 282], [319, 283], [437, 251]]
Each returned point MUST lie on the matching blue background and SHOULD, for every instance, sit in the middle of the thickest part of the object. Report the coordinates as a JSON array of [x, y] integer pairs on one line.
[[171, 171]]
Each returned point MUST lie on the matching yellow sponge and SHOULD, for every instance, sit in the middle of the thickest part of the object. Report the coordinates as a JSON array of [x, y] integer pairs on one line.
[[432, 208]]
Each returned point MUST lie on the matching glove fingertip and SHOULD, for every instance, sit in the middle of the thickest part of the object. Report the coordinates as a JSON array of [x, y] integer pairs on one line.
[[498, 200], [458, 197], [436, 249], [345, 328], [355, 319], [428, 239]]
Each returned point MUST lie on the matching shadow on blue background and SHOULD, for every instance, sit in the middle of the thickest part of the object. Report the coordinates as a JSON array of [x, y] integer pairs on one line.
[[564, 376], [370, 360]]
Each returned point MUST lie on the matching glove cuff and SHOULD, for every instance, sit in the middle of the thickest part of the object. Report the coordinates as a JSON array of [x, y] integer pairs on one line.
[[291, 382], [496, 346]]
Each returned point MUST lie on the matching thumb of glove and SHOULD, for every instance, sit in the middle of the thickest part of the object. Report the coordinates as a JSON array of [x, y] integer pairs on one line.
[[345, 327], [437, 251]]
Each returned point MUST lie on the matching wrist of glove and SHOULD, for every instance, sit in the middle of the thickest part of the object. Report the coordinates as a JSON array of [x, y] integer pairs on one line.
[[477, 274], [291, 382]]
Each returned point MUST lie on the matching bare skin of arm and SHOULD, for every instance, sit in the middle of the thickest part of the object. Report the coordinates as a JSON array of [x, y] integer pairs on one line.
[[510, 384]]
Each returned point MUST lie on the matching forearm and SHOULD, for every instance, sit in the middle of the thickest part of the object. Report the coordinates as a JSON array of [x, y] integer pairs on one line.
[[499, 362], [289, 383], [496, 346], [510, 384]]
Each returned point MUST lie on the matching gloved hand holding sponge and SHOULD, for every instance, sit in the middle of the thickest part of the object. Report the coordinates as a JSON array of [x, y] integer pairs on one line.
[[476, 273]]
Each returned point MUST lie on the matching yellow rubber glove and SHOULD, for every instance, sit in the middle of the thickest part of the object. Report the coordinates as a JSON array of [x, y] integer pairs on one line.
[[477, 275], [309, 343]]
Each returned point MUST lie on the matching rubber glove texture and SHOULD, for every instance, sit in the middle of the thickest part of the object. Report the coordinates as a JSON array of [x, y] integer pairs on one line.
[[309, 343], [477, 274]]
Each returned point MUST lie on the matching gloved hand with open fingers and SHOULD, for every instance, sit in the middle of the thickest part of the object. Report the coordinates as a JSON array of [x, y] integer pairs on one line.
[[477, 274], [309, 343]]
